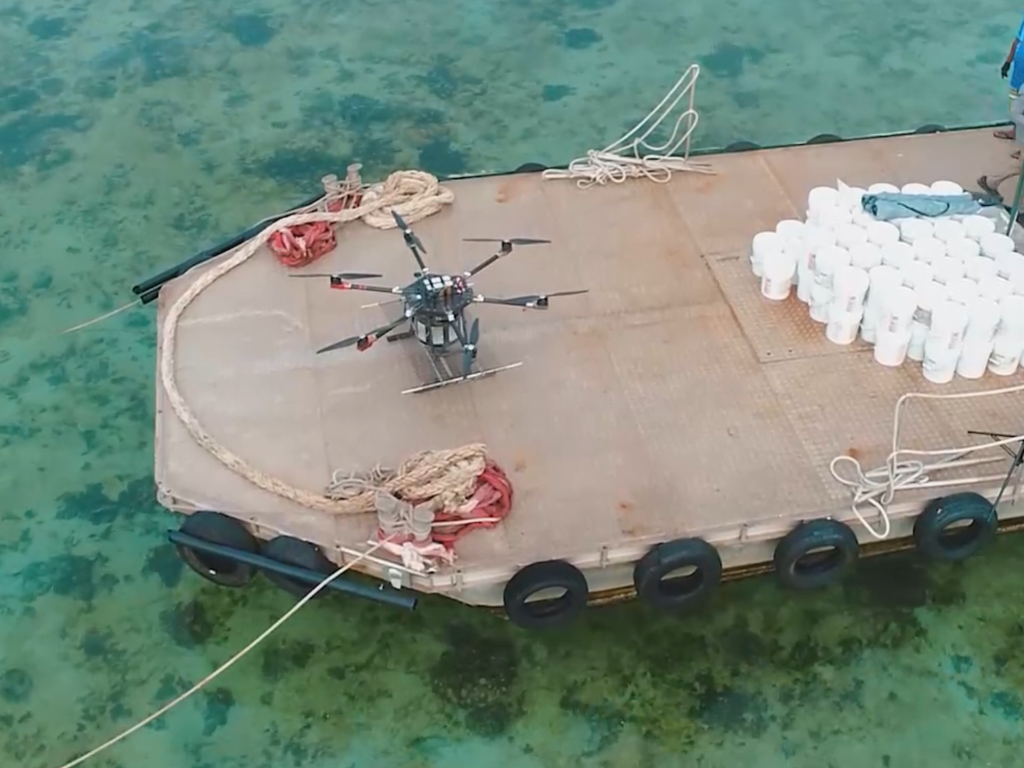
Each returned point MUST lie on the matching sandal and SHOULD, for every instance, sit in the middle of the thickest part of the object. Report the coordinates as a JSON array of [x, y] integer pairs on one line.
[[1015, 155], [1003, 133]]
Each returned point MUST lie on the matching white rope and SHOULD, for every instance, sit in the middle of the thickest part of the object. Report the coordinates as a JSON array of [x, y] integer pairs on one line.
[[612, 164], [226, 665], [876, 488]]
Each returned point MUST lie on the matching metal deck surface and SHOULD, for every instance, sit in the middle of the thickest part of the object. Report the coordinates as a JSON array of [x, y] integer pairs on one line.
[[671, 400]]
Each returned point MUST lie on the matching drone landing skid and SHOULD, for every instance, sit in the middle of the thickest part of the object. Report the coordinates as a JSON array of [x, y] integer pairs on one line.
[[445, 377]]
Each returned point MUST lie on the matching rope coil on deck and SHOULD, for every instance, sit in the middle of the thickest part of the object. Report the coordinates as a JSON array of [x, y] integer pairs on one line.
[[413, 194]]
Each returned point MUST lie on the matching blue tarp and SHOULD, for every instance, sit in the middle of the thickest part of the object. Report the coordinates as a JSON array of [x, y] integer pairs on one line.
[[894, 205]]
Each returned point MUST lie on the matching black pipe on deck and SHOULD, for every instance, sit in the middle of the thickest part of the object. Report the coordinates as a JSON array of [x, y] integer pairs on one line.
[[382, 594], [150, 289]]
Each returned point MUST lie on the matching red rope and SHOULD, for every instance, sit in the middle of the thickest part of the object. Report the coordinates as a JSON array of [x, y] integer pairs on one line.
[[493, 499], [302, 244]]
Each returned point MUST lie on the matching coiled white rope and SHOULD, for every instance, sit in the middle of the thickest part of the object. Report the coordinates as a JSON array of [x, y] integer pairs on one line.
[[612, 164], [877, 487]]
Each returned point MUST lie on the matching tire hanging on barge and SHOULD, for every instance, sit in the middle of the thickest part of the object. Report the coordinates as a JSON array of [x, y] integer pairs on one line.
[[816, 554], [655, 584], [940, 533], [550, 613], [218, 528], [291, 551]]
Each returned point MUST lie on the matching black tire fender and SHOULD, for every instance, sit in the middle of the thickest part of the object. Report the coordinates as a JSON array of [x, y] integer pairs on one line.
[[680, 592], [301, 554], [799, 566], [218, 528], [931, 528], [545, 614]]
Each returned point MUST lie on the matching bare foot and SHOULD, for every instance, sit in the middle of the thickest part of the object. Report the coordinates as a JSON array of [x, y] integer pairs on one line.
[[1004, 133], [1015, 155]]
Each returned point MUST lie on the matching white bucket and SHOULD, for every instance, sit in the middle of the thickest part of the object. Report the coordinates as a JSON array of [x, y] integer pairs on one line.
[[829, 218], [947, 268], [928, 297], [928, 249], [947, 230], [842, 328], [881, 279], [963, 249], [916, 274], [994, 287], [849, 289], [880, 187], [980, 269], [897, 254], [1011, 317], [863, 219], [974, 358], [963, 291], [1017, 279], [777, 281], [1006, 355], [883, 233], [805, 283], [816, 236], [763, 244], [896, 312], [946, 188], [851, 198], [916, 188], [822, 197], [865, 256], [944, 341], [912, 230], [891, 348], [826, 261], [978, 226], [1008, 263], [939, 368], [850, 235], [995, 243], [821, 298], [791, 229], [984, 320]]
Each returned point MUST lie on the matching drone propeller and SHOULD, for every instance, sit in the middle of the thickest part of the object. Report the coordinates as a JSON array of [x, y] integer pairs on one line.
[[341, 275], [505, 250], [411, 239], [535, 301], [365, 341]]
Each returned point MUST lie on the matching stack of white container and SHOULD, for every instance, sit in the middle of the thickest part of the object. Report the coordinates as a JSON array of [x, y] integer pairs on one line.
[[947, 292]]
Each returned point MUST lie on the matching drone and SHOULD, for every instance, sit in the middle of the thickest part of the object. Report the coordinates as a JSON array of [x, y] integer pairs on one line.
[[434, 307]]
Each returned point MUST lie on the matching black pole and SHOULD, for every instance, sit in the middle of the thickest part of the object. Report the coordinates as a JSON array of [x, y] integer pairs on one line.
[[382, 594], [149, 289]]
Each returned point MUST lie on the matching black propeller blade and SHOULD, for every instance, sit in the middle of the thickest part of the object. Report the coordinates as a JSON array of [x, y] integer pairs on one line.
[[469, 348], [535, 301], [341, 275], [509, 240], [365, 341], [411, 239]]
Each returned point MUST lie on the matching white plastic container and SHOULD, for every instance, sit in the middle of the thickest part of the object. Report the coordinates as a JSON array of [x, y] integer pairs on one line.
[[995, 243], [916, 188], [912, 230], [898, 254], [849, 289], [829, 218], [985, 316], [897, 311], [947, 230], [929, 249], [805, 282], [791, 228], [821, 198], [1008, 263], [963, 249], [994, 287], [880, 187], [850, 235], [940, 368], [916, 274], [821, 300], [944, 342], [1006, 355], [842, 328], [980, 269], [865, 256], [963, 291], [883, 233], [891, 348], [777, 281], [928, 297], [881, 279], [977, 227], [851, 198], [974, 358], [1011, 317], [817, 237], [826, 261], [763, 244], [947, 268], [946, 188]]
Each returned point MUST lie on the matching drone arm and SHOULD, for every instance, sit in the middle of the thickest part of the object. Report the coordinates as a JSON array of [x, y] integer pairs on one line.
[[344, 285], [487, 262], [365, 341]]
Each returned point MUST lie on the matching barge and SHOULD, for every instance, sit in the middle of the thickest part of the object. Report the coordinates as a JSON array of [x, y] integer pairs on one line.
[[666, 430]]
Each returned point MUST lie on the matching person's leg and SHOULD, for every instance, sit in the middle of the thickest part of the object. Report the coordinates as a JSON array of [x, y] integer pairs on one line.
[[1017, 118], [1008, 133]]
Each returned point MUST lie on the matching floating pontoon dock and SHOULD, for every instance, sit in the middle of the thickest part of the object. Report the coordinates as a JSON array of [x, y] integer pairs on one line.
[[670, 401]]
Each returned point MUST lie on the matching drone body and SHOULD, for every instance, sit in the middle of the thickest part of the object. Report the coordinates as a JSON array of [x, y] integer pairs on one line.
[[434, 308]]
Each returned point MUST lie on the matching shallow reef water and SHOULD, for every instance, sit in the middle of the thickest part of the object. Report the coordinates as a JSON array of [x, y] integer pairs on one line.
[[135, 132]]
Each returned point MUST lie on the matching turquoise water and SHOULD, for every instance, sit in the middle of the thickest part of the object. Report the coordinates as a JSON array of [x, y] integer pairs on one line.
[[133, 133]]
